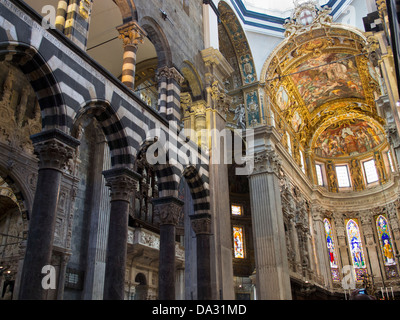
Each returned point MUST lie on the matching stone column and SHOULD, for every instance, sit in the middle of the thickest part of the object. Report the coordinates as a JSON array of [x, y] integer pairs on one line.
[[371, 248], [322, 255], [132, 35], [65, 256], [169, 93], [62, 8], [169, 209], [122, 183], [342, 248], [77, 21], [217, 101], [201, 225], [54, 148], [273, 281]]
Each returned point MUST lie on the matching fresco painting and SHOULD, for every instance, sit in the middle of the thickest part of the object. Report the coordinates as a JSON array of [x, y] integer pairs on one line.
[[326, 78], [347, 138]]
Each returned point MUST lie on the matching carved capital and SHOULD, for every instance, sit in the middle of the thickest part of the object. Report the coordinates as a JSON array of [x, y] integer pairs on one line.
[[267, 162], [170, 73], [169, 209], [131, 34], [122, 183], [54, 149], [201, 223]]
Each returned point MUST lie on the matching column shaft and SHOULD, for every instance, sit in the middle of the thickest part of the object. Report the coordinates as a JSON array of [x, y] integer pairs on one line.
[[201, 224], [54, 149], [114, 282], [129, 66], [132, 35], [169, 209], [166, 270], [122, 183], [40, 236]]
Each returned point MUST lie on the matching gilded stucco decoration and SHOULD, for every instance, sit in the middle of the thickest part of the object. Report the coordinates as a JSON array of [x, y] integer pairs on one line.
[[322, 86]]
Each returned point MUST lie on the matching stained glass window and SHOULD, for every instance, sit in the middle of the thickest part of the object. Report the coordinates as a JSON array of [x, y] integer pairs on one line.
[[386, 244], [356, 249], [236, 210], [238, 242], [385, 240], [331, 250]]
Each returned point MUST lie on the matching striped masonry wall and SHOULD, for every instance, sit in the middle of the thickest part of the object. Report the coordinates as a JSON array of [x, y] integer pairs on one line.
[[67, 82]]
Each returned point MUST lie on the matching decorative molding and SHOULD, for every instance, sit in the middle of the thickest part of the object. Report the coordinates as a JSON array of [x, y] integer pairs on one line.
[[201, 224], [54, 149], [307, 16], [169, 210], [122, 183], [268, 161], [131, 34]]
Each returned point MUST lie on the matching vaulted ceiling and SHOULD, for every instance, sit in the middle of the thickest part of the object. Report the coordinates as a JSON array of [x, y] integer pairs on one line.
[[324, 88]]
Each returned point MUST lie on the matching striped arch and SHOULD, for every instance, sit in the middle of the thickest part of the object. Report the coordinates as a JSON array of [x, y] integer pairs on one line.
[[122, 154], [168, 175], [158, 38], [43, 82], [128, 10], [168, 180], [198, 189]]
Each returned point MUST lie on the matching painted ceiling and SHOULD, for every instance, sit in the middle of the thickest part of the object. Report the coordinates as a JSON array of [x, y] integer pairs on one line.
[[323, 89]]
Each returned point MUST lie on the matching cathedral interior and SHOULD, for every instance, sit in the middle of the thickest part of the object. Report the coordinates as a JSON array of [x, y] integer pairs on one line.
[[88, 89]]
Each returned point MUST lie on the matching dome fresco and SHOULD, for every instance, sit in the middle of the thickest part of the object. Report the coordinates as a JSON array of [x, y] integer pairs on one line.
[[328, 77], [348, 138]]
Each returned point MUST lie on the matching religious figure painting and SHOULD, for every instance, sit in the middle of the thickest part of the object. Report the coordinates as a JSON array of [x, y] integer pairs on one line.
[[248, 69], [282, 99], [347, 138], [326, 78], [238, 242], [385, 240], [330, 244], [353, 234]]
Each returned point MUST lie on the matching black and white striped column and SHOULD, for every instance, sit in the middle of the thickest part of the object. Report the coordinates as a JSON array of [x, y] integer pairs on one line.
[[162, 76], [132, 35], [169, 94], [77, 21], [61, 14]]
